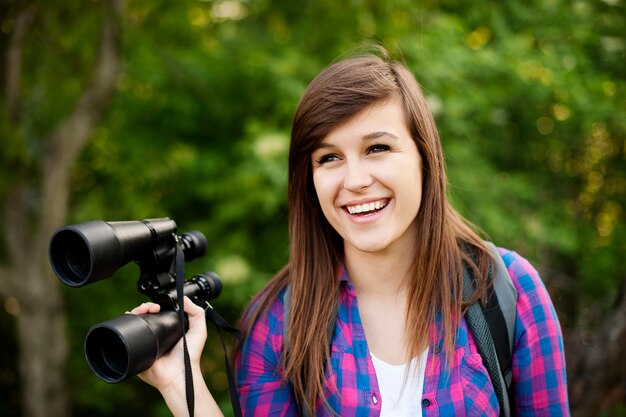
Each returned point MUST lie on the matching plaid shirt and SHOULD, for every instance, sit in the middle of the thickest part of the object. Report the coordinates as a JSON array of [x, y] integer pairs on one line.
[[539, 380]]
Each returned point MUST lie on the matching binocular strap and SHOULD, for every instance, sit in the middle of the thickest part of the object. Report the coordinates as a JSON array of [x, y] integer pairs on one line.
[[222, 324], [177, 269]]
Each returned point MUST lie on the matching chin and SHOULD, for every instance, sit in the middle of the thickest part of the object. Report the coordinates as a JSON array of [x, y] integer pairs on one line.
[[370, 247]]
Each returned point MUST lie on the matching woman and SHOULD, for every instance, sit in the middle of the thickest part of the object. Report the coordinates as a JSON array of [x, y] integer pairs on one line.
[[369, 221]]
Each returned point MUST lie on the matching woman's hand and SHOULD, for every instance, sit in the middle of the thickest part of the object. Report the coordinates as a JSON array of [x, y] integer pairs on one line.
[[167, 374], [169, 368]]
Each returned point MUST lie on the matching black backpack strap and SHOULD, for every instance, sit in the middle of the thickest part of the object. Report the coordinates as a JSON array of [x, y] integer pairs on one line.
[[493, 327], [484, 343], [501, 313]]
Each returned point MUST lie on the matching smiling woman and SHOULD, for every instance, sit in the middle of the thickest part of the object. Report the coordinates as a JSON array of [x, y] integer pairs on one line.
[[355, 174], [377, 257]]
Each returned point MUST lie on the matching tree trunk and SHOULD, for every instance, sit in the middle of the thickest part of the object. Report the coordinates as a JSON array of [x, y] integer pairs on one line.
[[32, 214]]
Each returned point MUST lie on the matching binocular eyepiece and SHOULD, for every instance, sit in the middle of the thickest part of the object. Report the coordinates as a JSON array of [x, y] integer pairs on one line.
[[88, 252]]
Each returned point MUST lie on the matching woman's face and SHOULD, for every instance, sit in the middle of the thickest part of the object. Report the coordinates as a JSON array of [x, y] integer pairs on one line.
[[368, 178]]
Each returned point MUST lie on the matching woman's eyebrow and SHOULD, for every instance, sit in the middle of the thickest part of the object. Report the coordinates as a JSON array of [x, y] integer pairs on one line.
[[379, 134], [369, 136], [323, 145]]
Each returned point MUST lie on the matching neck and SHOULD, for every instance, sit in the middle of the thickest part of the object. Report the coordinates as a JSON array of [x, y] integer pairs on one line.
[[379, 273]]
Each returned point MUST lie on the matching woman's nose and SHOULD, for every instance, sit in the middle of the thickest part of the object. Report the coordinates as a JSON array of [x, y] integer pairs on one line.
[[357, 176]]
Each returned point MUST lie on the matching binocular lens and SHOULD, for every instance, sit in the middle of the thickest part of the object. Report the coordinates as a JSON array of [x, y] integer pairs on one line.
[[71, 257], [107, 354], [129, 344], [77, 256]]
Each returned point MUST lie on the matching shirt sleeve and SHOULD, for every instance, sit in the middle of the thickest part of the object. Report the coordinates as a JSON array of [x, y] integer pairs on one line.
[[539, 377], [261, 389]]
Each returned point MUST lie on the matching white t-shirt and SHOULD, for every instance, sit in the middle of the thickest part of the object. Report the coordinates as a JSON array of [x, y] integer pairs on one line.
[[399, 400]]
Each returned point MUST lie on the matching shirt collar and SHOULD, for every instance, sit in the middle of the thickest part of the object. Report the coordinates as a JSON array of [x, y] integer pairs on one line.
[[342, 273]]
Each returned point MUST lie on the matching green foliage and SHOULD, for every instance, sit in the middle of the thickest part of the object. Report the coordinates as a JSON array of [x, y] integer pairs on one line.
[[528, 98]]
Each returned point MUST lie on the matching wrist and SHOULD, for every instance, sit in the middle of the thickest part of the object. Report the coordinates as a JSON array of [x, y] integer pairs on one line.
[[175, 396], [178, 386]]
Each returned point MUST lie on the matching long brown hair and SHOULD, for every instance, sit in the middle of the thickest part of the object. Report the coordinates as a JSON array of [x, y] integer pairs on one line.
[[443, 243]]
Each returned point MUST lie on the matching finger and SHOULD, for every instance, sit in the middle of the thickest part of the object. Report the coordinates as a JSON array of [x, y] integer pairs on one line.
[[197, 321], [195, 315], [146, 308], [191, 308]]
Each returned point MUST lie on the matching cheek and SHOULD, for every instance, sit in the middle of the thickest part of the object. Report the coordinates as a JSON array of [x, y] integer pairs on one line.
[[418, 201], [410, 187], [416, 186], [322, 189], [323, 185], [325, 189]]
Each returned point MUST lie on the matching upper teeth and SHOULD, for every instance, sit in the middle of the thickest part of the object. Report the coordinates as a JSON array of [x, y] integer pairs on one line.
[[376, 205]]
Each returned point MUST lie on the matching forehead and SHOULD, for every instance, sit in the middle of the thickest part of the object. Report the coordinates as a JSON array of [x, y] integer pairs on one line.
[[381, 119]]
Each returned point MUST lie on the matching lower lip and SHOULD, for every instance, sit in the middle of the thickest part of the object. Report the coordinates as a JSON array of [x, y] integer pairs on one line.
[[366, 218]]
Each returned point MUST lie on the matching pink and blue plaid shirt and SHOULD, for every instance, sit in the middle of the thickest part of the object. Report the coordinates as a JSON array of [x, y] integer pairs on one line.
[[539, 380]]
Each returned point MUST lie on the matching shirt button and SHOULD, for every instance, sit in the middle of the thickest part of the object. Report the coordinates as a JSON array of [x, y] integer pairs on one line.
[[425, 402], [374, 399]]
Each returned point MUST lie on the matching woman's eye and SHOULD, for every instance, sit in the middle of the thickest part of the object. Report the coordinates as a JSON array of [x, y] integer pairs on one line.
[[378, 148], [327, 158]]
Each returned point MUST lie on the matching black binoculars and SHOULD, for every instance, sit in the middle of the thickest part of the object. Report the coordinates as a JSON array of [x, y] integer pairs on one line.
[[84, 253]]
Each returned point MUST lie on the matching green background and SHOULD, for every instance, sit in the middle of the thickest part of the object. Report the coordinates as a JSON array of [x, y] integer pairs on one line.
[[528, 97]]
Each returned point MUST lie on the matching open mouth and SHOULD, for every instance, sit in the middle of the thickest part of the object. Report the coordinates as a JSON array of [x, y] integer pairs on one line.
[[367, 208]]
